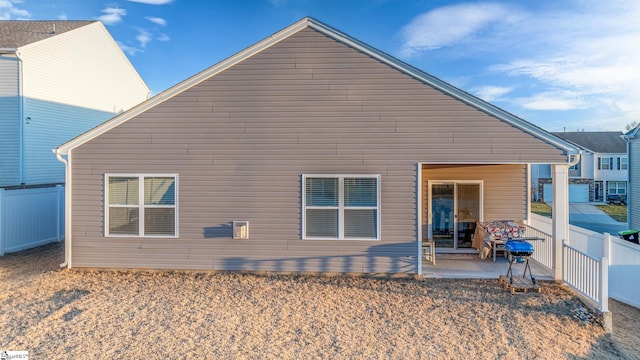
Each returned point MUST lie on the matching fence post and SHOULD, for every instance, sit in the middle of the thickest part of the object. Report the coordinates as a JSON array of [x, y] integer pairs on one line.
[[606, 245], [1, 230], [607, 321]]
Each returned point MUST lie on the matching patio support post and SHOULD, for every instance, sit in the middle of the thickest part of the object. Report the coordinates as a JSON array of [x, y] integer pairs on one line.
[[560, 215]]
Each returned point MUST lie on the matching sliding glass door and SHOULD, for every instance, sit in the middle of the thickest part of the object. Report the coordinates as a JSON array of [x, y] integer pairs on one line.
[[454, 207]]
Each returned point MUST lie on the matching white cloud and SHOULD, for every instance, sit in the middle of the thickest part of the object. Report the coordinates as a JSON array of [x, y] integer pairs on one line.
[[157, 20], [451, 25], [131, 50], [490, 93], [591, 54], [62, 17], [9, 11], [578, 55], [554, 100], [152, 2], [143, 37], [163, 37], [112, 15]]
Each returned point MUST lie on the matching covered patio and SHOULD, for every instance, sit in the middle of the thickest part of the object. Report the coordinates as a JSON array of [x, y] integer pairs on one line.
[[455, 198], [471, 266]]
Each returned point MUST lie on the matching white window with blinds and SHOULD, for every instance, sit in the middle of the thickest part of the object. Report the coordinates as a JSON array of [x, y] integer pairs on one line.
[[341, 207], [141, 205]]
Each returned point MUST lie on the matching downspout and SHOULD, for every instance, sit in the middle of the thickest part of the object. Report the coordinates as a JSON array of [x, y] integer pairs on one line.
[[627, 139], [22, 117], [67, 208]]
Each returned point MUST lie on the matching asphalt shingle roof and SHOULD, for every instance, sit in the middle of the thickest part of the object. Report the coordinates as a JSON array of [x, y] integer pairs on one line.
[[597, 141], [17, 33]]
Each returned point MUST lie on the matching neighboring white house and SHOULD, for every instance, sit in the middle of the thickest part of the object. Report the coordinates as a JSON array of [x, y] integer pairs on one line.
[[633, 208], [599, 176], [58, 79]]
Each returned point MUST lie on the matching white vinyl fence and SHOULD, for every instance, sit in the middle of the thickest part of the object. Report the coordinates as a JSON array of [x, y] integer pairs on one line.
[[587, 275], [595, 264], [624, 271], [30, 217], [542, 249]]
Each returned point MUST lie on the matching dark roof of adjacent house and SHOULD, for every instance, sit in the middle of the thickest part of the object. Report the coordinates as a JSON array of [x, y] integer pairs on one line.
[[17, 33], [604, 142]]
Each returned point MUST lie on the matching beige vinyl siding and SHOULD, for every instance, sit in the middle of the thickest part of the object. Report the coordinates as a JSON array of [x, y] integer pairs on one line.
[[10, 120], [73, 82], [241, 141], [90, 71], [504, 188]]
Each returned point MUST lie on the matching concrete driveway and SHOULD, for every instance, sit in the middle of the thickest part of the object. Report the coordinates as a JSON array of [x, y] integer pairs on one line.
[[590, 217]]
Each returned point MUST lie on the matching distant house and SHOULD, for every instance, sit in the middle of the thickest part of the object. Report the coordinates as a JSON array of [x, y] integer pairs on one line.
[[58, 79], [599, 176], [633, 208], [309, 151]]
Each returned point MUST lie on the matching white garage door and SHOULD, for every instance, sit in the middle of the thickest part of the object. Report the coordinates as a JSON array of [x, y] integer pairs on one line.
[[547, 193], [578, 193]]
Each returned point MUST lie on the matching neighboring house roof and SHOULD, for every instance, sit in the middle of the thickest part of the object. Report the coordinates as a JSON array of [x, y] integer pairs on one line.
[[604, 142], [18, 33], [568, 148], [631, 134]]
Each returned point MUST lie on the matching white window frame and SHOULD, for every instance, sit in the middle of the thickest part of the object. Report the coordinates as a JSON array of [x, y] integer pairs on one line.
[[624, 163], [141, 206], [619, 185], [341, 208], [609, 162]]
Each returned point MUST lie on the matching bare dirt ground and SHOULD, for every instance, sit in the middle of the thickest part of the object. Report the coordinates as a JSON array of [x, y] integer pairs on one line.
[[66, 314]]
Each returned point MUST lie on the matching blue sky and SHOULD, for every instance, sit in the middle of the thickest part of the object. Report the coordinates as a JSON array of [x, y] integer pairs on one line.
[[562, 65]]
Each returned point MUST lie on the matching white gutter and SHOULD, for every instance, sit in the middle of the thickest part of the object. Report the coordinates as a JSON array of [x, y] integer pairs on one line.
[[67, 208]]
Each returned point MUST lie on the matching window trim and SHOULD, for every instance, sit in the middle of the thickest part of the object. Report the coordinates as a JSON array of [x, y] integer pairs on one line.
[[617, 184], [609, 162], [624, 163], [341, 208], [141, 206]]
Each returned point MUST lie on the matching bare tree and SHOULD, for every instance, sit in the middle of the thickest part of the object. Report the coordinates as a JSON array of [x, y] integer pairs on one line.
[[631, 126]]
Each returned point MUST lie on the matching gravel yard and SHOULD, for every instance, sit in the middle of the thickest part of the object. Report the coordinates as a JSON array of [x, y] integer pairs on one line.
[[68, 314]]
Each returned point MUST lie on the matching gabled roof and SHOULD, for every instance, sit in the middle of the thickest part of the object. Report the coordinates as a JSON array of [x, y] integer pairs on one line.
[[631, 134], [18, 33], [604, 142], [314, 24]]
